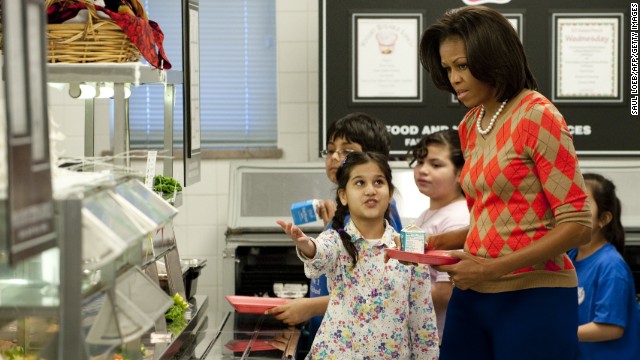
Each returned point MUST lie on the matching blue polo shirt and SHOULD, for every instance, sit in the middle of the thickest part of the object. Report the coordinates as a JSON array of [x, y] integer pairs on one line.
[[607, 295]]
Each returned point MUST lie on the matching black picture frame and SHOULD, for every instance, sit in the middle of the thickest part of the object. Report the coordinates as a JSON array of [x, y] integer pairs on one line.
[[589, 96], [389, 33]]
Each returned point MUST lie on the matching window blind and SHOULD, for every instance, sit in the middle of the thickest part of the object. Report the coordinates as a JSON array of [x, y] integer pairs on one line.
[[238, 103]]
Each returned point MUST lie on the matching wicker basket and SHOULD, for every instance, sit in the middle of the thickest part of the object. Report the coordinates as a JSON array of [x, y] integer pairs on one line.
[[98, 40]]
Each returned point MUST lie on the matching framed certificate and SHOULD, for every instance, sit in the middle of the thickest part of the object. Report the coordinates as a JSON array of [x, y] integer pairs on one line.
[[587, 58], [385, 61]]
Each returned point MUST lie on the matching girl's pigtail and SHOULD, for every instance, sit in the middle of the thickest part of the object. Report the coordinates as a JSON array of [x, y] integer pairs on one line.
[[338, 225]]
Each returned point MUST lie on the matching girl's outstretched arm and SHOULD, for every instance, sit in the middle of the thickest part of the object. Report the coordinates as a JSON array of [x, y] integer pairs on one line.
[[302, 241]]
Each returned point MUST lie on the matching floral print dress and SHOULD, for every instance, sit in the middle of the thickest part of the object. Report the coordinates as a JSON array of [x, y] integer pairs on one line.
[[376, 310]]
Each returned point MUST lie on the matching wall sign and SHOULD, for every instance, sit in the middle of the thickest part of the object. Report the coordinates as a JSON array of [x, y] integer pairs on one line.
[[595, 114], [29, 226]]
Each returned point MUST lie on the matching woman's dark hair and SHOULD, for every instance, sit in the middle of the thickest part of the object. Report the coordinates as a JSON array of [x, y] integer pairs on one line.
[[604, 194], [363, 129], [343, 175], [448, 138], [495, 54]]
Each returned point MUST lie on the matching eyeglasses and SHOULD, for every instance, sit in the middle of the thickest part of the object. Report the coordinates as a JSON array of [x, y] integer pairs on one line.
[[341, 153]]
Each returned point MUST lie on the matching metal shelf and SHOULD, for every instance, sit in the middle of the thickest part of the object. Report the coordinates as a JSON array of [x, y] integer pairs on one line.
[[133, 73], [136, 74]]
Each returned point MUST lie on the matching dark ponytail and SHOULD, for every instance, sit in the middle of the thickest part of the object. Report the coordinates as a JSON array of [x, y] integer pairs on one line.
[[343, 175], [604, 194]]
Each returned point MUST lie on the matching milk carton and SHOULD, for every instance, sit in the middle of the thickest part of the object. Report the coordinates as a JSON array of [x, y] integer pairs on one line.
[[305, 211], [413, 239]]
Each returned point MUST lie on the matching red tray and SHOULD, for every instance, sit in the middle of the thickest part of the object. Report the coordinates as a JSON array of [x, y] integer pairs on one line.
[[430, 257], [254, 304], [241, 345]]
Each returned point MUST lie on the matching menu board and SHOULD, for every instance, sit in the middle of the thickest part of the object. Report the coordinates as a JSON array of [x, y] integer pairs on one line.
[[583, 54]]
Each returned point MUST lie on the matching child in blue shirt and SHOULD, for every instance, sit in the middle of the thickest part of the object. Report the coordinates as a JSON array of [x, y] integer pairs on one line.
[[608, 317]]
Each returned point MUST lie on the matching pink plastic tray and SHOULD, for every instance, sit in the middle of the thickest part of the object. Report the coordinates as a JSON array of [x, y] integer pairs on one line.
[[241, 345], [254, 304], [430, 257]]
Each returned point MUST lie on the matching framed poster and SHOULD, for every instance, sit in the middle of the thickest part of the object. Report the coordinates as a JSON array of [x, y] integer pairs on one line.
[[588, 117], [385, 61], [587, 57]]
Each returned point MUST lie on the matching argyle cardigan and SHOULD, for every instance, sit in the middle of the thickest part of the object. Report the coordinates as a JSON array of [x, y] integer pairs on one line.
[[520, 181]]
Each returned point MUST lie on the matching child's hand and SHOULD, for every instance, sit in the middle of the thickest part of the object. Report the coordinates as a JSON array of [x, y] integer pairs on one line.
[[292, 312], [296, 234], [280, 341], [302, 241], [326, 210], [396, 240]]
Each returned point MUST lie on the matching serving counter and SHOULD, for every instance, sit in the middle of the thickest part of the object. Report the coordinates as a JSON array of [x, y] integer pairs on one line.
[[245, 336]]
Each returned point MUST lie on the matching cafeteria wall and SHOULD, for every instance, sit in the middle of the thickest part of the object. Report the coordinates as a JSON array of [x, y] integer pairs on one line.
[[202, 219]]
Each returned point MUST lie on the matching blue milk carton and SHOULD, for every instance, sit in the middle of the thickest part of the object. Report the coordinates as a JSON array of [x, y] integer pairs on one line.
[[413, 239], [305, 211]]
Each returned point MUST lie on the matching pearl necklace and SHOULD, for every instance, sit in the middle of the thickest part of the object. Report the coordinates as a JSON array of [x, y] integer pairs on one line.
[[493, 119]]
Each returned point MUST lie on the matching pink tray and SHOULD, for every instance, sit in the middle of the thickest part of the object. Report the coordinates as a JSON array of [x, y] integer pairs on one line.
[[241, 345], [430, 257], [254, 304]]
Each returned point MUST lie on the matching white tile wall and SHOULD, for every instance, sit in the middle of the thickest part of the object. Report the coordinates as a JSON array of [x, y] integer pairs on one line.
[[202, 220], [292, 118], [292, 56], [292, 87]]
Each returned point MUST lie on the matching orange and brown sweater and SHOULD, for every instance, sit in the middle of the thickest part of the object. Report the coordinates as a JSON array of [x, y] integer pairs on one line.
[[520, 181]]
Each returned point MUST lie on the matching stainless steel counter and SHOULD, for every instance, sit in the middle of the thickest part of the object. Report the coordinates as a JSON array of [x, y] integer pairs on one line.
[[247, 336]]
